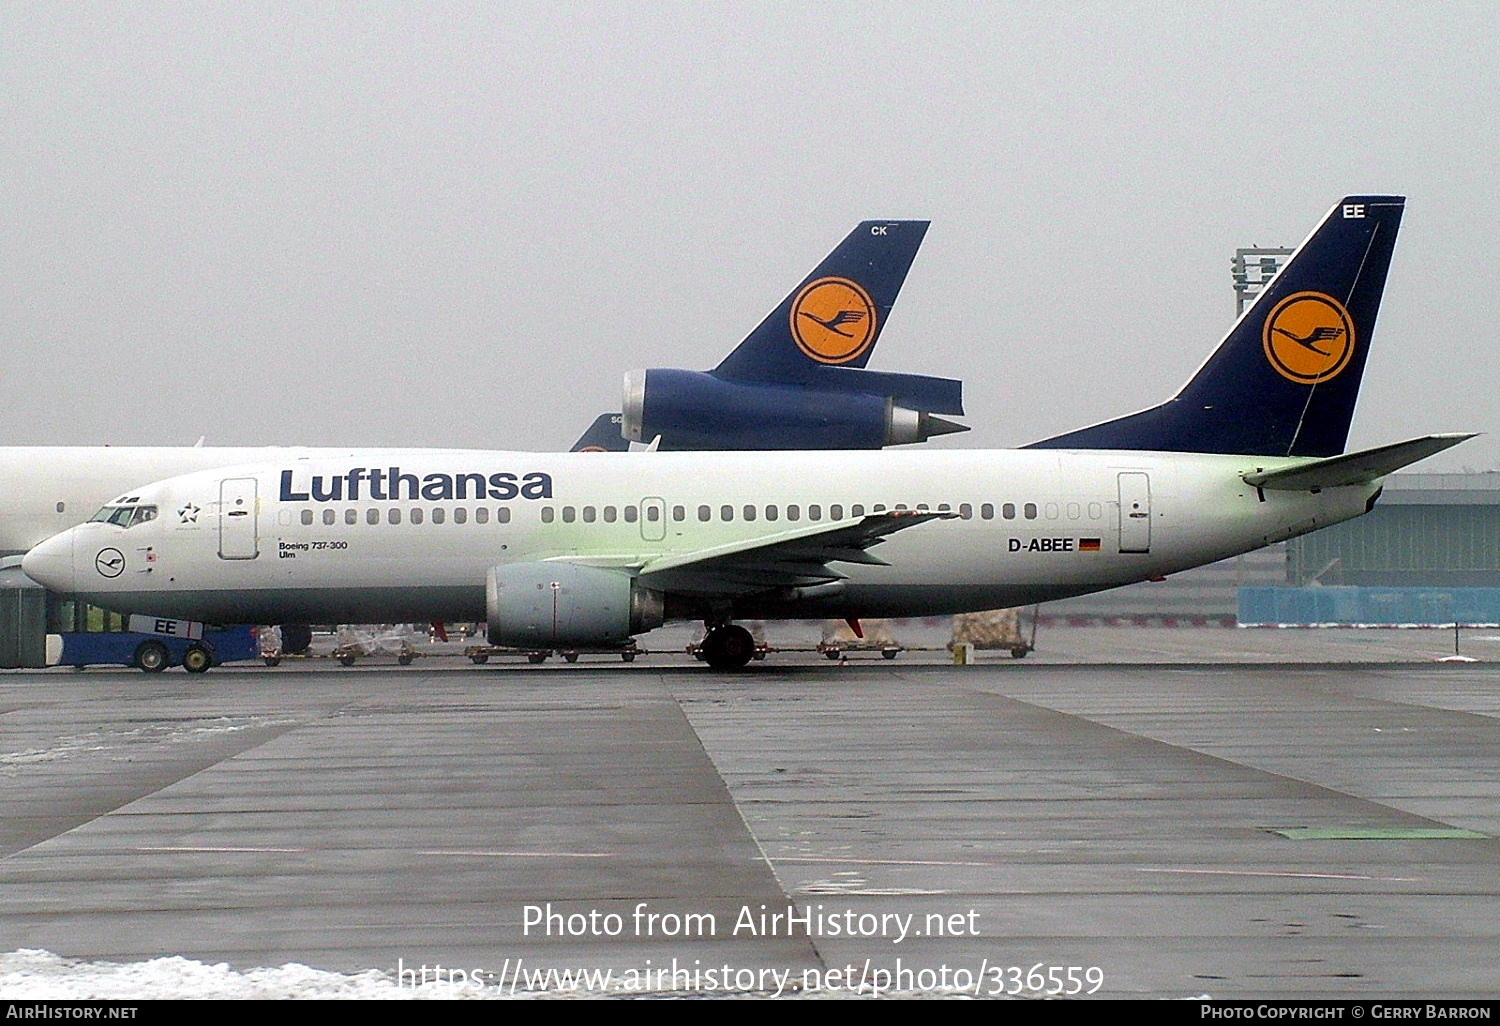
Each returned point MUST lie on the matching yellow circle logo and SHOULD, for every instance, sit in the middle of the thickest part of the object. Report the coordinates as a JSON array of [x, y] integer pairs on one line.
[[833, 320], [1309, 338]]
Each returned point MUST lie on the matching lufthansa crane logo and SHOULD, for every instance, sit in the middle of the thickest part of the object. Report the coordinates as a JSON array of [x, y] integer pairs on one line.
[[1309, 338], [833, 320], [110, 562]]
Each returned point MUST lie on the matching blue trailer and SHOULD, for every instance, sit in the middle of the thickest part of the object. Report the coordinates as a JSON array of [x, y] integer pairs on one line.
[[153, 653]]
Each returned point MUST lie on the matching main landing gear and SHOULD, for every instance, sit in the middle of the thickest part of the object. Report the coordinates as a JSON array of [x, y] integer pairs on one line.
[[727, 646]]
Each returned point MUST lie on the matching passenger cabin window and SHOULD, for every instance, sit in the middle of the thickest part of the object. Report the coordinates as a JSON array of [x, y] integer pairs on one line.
[[630, 514], [589, 514], [416, 515], [611, 514], [502, 515], [1030, 510], [835, 512], [329, 516], [461, 515], [749, 512], [856, 510], [351, 516], [1008, 511], [393, 515], [372, 516], [705, 514], [307, 518], [482, 515], [438, 514]]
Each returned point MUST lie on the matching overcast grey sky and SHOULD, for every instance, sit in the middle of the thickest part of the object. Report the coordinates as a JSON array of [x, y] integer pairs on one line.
[[460, 224]]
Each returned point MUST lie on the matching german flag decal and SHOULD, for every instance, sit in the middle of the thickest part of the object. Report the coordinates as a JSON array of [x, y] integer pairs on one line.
[[1088, 544]]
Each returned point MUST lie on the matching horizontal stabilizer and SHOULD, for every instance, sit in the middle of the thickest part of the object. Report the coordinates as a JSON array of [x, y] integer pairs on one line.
[[916, 391], [1355, 468]]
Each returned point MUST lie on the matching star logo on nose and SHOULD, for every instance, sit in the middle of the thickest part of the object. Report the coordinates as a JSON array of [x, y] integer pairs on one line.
[[189, 514]]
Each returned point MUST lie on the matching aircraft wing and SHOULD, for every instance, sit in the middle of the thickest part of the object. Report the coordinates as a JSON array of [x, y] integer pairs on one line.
[[1354, 468], [788, 559]]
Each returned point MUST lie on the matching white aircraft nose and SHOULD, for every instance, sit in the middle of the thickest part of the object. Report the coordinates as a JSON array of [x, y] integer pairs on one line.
[[50, 564]]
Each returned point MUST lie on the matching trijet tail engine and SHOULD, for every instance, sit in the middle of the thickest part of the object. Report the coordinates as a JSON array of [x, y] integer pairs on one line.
[[798, 381]]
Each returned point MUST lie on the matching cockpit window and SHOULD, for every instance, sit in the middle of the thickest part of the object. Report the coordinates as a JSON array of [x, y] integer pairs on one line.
[[124, 516]]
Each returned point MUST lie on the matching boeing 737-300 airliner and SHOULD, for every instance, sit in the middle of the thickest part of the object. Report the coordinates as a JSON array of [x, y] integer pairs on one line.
[[574, 550]]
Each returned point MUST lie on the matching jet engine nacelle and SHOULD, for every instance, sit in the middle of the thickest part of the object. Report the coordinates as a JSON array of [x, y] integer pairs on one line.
[[698, 410], [552, 605]]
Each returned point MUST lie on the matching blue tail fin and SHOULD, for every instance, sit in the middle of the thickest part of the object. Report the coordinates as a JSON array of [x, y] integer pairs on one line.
[[603, 435], [1285, 379], [835, 316]]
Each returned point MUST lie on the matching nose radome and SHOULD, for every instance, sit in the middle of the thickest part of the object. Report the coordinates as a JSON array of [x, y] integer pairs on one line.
[[50, 564]]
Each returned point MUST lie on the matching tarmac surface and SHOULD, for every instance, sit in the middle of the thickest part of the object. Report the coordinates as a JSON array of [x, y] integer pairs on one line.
[[1143, 812]]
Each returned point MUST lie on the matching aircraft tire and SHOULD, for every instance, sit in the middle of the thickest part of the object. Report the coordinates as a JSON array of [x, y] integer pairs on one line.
[[152, 656], [197, 659], [296, 638], [729, 647]]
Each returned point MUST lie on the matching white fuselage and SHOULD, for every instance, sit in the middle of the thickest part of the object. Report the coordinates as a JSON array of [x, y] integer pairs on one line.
[[383, 535], [47, 489]]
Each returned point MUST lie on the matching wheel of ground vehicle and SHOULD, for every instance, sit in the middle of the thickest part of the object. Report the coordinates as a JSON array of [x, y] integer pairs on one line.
[[832, 653], [1019, 653], [405, 658], [346, 660], [272, 660], [629, 657], [538, 657], [480, 658], [571, 657], [728, 647], [152, 656], [889, 653], [197, 659]]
